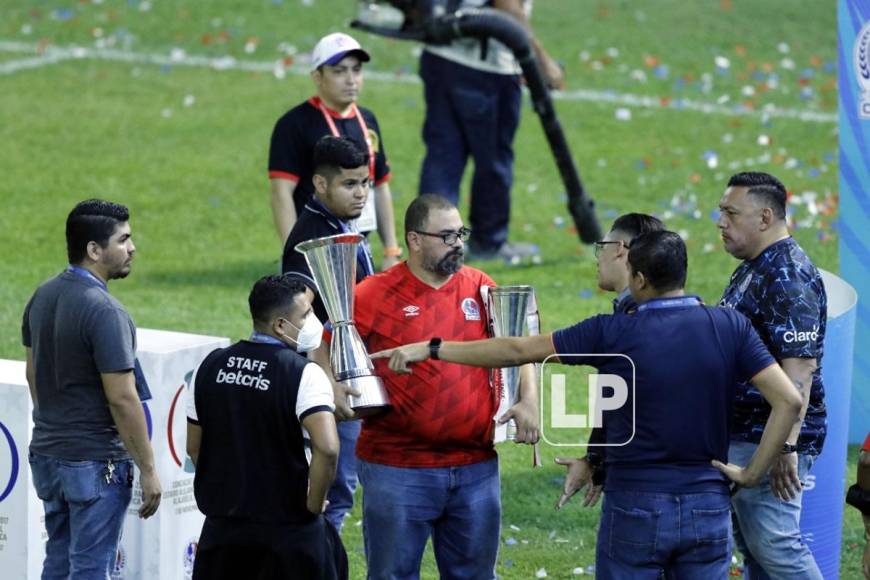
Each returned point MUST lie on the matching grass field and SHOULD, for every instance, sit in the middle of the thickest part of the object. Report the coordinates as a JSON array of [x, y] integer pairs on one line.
[[185, 147]]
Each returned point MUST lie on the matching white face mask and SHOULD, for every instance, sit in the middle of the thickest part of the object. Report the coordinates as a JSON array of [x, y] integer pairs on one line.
[[309, 336]]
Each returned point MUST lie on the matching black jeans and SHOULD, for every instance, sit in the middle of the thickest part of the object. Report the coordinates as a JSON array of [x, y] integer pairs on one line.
[[235, 549]]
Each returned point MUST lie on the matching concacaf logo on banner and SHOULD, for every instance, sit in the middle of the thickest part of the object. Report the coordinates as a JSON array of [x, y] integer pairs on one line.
[[9, 476], [176, 427], [862, 70], [190, 557]]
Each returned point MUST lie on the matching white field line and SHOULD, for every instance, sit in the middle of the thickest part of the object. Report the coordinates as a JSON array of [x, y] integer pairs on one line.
[[177, 57], [13, 66]]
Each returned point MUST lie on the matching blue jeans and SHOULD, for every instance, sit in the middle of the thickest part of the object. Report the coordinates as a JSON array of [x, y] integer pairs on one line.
[[341, 493], [471, 112], [767, 529], [459, 507], [84, 513], [661, 535]]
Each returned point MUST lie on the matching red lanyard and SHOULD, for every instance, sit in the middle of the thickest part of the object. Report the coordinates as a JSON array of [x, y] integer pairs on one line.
[[362, 126]]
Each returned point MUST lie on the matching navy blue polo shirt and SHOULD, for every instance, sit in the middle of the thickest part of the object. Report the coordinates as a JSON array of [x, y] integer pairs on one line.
[[687, 360], [782, 294]]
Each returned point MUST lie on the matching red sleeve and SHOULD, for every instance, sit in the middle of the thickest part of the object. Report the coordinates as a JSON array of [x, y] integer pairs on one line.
[[385, 179], [363, 302], [866, 446], [284, 175]]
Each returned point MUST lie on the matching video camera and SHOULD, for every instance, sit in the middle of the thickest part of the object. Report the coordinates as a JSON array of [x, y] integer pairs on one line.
[[442, 21], [405, 19], [420, 20]]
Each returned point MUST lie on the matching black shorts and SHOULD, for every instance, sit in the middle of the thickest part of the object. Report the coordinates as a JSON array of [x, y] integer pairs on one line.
[[232, 549]]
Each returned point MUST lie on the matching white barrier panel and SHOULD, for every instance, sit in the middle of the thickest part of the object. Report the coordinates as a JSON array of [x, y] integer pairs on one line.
[[22, 527], [164, 546]]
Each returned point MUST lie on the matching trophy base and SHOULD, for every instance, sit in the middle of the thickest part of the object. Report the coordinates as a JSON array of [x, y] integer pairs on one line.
[[373, 399]]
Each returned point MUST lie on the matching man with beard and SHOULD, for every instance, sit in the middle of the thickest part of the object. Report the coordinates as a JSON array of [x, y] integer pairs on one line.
[[341, 187], [666, 511], [780, 290], [89, 426], [428, 466]]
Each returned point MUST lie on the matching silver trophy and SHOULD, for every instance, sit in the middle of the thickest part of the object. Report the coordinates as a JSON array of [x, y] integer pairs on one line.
[[508, 307], [332, 261]]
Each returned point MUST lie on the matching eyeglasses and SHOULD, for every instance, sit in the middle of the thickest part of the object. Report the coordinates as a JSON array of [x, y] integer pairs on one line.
[[599, 246], [449, 238]]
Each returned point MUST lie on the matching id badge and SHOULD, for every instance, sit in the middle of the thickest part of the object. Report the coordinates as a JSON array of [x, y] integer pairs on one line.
[[368, 219]]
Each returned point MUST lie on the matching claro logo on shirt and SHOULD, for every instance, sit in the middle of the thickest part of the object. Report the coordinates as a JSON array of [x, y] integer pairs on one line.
[[242, 371], [793, 336]]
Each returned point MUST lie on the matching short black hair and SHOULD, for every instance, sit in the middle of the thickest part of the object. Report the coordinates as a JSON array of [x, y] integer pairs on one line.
[[332, 154], [272, 295], [661, 256], [765, 188], [419, 209], [637, 224], [92, 220]]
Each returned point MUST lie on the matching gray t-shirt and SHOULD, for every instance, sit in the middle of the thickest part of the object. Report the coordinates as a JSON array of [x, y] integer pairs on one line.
[[77, 330]]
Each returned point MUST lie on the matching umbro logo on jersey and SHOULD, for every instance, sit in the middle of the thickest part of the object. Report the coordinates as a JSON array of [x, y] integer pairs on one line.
[[411, 311]]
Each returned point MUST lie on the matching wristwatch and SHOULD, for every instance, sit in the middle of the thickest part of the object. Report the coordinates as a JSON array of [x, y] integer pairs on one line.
[[788, 448], [434, 347]]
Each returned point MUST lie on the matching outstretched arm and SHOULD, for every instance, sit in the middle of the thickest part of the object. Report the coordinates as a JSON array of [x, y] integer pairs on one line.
[[491, 353]]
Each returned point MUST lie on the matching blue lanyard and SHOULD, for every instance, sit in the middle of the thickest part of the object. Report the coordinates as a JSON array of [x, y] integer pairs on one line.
[[661, 304], [87, 275], [266, 339]]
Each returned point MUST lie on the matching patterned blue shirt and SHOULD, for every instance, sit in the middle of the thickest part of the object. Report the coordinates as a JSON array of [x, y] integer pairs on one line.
[[782, 294]]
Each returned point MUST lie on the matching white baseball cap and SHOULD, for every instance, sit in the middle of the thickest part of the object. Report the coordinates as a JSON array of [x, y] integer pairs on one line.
[[334, 47]]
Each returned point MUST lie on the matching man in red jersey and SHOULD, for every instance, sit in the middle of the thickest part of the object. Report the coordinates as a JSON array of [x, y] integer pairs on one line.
[[428, 466]]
